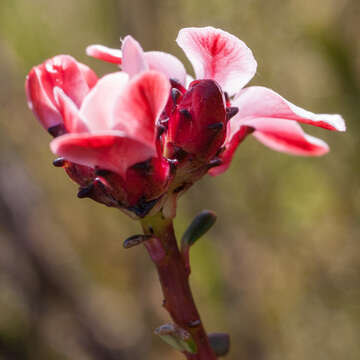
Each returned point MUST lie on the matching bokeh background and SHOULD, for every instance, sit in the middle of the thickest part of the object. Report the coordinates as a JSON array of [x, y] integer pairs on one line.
[[280, 271]]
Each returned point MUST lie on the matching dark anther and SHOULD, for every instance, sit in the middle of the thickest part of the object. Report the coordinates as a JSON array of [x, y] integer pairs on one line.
[[161, 129], [102, 172], [59, 162], [164, 121], [214, 162], [175, 94], [250, 129], [220, 151], [231, 111], [135, 240], [194, 324], [216, 126], [175, 82], [57, 130], [143, 166], [179, 188], [226, 96], [142, 208], [85, 192], [185, 113], [99, 183], [172, 163]]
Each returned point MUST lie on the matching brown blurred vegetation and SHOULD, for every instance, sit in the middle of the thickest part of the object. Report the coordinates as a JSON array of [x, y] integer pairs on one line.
[[280, 271]]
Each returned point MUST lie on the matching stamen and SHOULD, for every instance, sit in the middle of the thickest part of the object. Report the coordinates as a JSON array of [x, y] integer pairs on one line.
[[57, 130], [214, 162], [175, 94], [186, 113], [216, 126], [231, 112], [85, 191], [143, 166], [161, 129], [59, 162], [102, 172]]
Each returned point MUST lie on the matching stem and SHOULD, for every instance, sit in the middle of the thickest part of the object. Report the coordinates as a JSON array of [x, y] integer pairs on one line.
[[174, 279]]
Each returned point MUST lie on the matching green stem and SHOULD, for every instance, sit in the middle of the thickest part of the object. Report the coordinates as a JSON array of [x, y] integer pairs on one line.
[[174, 279]]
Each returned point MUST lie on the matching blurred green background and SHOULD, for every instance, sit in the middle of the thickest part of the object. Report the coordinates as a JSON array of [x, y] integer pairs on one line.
[[280, 271]]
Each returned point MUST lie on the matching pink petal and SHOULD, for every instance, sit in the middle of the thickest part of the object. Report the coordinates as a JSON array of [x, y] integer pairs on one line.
[[189, 79], [40, 101], [140, 104], [167, 64], [63, 71], [218, 55], [288, 137], [133, 61], [230, 147], [98, 107], [89, 75], [277, 134], [111, 150], [70, 113], [257, 101], [104, 53]]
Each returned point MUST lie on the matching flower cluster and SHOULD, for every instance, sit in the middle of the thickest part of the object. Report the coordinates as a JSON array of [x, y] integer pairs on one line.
[[138, 138]]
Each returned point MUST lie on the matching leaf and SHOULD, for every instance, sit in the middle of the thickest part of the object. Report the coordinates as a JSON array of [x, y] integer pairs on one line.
[[177, 337], [199, 226], [220, 343]]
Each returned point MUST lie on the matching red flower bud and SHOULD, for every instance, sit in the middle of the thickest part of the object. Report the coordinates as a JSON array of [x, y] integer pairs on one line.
[[62, 71], [199, 124]]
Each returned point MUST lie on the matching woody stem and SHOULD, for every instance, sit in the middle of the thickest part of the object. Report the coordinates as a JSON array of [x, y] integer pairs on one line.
[[174, 279]]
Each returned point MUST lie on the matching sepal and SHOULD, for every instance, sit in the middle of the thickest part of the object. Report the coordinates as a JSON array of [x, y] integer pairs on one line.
[[198, 126], [177, 337], [201, 224], [220, 343]]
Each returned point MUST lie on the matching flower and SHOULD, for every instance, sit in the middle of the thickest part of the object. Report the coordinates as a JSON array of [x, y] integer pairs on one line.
[[137, 138], [221, 57]]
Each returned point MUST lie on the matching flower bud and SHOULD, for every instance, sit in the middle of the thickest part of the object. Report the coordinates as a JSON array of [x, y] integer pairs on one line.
[[62, 71], [199, 124]]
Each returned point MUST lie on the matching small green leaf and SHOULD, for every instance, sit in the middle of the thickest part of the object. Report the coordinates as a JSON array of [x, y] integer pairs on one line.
[[177, 337], [199, 226], [220, 343], [135, 240]]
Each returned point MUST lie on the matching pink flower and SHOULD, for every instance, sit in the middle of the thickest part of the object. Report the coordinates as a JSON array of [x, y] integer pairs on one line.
[[63, 71], [138, 138], [108, 133], [221, 57]]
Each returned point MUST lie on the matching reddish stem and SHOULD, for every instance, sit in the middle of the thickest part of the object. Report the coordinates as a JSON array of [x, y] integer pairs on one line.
[[178, 299]]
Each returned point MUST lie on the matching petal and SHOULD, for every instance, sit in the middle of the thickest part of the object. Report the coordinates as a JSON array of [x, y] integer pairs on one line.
[[111, 150], [98, 107], [140, 104], [64, 71], [167, 64], [39, 100], [218, 55], [257, 101], [72, 120], [288, 137], [229, 151], [133, 61], [189, 80], [104, 53], [89, 75]]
